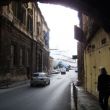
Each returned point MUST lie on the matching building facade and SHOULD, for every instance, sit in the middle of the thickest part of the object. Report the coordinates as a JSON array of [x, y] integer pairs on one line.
[[96, 51], [24, 41]]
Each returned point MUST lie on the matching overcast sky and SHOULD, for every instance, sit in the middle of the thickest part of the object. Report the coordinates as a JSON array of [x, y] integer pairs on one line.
[[61, 21]]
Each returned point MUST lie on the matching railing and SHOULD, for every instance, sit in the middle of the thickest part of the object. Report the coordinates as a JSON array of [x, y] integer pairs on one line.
[[17, 23]]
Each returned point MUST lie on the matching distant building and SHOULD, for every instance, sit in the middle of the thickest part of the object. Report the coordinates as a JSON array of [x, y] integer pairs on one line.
[[51, 65], [24, 41]]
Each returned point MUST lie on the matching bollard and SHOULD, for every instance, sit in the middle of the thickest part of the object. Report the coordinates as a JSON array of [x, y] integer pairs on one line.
[[75, 94]]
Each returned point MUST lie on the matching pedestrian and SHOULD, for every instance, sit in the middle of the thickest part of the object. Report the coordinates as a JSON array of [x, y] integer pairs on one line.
[[103, 88]]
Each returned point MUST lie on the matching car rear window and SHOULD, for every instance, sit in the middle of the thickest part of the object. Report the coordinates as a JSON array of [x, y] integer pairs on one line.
[[39, 74], [42, 75], [35, 75]]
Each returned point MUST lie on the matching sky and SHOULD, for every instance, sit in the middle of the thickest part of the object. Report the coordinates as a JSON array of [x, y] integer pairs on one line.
[[61, 21]]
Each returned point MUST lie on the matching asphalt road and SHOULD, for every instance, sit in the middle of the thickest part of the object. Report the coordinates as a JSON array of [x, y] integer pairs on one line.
[[55, 96]]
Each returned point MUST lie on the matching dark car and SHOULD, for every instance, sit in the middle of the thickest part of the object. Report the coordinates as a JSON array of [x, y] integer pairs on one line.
[[67, 69], [39, 78]]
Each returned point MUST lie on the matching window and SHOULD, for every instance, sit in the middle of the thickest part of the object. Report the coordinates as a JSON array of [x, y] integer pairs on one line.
[[27, 57], [38, 28], [46, 38], [13, 55], [103, 41], [16, 7], [23, 15], [30, 24], [93, 47], [21, 56]]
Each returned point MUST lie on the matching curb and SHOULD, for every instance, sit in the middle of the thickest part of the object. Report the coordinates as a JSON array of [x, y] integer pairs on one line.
[[72, 101]]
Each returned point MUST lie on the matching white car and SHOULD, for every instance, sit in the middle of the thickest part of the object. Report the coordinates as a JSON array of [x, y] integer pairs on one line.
[[63, 70], [39, 78], [55, 72]]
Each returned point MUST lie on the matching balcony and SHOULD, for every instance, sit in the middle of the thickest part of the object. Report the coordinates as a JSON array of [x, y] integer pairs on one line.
[[17, 23], [40, 39]]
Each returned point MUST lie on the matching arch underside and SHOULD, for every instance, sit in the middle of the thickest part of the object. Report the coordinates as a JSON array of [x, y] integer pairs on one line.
[[95, 8]]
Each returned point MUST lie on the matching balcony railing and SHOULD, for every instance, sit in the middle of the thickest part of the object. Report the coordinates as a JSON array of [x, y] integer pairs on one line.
[[18, 24]]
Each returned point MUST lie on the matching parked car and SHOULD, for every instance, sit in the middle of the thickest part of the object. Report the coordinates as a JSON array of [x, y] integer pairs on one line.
[[63, 70], [76, 70], [67, 69], [55, 72], [39, 78]]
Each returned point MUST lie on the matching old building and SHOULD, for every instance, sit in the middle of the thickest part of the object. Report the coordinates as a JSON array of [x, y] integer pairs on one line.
[[24, 41], [96, 51]]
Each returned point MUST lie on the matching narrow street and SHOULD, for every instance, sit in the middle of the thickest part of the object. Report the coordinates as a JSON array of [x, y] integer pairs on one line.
[[55, 96]]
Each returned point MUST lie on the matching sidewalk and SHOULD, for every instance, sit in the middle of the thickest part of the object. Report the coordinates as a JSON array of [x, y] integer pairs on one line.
[[86, 101], [13, 86]]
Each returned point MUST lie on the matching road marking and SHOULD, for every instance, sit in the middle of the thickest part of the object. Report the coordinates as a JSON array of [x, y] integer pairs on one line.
[[72, 101]]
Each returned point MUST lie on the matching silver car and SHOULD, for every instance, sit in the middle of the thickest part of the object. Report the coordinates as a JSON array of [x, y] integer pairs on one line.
[[39, 78]]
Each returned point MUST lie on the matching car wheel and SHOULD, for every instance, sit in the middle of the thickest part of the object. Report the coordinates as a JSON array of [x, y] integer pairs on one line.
[[31, 85], [48, 82], [45, 84]]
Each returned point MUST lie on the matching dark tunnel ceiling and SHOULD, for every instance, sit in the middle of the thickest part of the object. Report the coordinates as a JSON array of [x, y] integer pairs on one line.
[[98, 9]]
